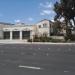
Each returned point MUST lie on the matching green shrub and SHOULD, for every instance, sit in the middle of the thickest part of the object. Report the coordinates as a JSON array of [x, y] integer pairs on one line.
[[66, 38], [42, 39], [57, 40], [36, 40], [69, 39], [29, 40], [73, 38], [45, 39]]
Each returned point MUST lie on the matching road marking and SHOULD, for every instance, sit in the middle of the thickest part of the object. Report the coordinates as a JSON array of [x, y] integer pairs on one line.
[[47, 54], [66, 71], [48, 48], [39, 48], [30, 67]]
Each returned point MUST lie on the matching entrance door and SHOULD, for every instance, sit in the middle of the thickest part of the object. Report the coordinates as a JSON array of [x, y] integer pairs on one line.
[[16, 34], [25, 34], [6, 35]]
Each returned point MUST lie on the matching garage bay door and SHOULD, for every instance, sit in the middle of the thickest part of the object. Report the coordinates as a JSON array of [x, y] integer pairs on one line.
[[6, 35], [25, 34], [16, 34]]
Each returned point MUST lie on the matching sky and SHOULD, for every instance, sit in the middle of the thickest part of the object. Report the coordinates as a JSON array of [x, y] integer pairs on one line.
[[26, 11]]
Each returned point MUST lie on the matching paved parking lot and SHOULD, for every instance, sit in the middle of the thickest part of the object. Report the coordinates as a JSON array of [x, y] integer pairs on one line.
[[37, 59]]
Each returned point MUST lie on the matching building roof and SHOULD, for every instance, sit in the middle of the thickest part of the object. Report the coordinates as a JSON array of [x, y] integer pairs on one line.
[[6, 23], [44, 20], [23, 24]]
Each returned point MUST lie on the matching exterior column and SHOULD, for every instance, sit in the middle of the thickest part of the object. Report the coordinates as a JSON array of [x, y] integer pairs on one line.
[[31, 34], [10, 35], [20, 35]]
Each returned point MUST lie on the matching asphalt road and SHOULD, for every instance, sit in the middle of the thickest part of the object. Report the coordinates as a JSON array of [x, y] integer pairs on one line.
[[35, 59]]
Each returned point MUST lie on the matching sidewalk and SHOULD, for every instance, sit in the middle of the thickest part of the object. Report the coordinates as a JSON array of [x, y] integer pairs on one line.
[[25, 42]]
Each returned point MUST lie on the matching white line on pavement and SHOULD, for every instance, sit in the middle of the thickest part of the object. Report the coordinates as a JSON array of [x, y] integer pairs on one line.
[[66, 71], [30, 67]]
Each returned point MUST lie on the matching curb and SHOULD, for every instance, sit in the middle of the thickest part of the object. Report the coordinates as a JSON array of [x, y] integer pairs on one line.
[[38, 43]]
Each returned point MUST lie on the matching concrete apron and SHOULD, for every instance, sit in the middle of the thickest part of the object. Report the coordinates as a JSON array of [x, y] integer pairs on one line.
[[25, 42], [12, 41]]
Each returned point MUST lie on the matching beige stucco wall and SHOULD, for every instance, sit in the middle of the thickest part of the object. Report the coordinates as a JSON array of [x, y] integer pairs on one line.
[[1, 29], [34, 29], [21, 28], [42, 30]]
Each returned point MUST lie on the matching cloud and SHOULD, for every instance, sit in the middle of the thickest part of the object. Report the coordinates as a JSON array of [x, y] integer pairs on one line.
[[30, 19], [41, 13], [47, 9], [17, 21], [47, 5], [47, 12]]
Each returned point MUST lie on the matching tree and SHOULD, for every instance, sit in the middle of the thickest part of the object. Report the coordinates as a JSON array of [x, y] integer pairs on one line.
[[57, 27], [66, 9]]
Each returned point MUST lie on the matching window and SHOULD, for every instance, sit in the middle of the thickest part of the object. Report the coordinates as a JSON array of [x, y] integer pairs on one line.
[[39, 26], [45, 25]]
